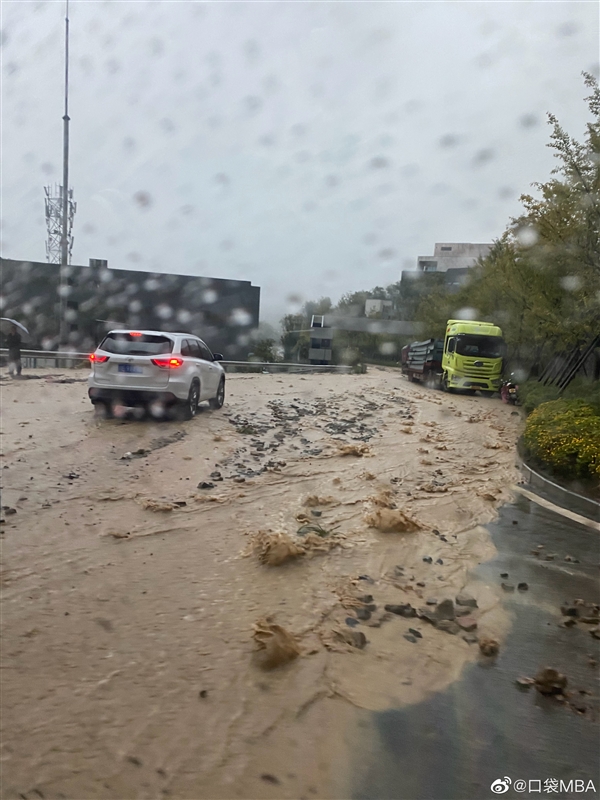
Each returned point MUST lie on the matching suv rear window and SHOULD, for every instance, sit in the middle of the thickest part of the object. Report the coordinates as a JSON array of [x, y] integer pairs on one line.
[[128, 345]]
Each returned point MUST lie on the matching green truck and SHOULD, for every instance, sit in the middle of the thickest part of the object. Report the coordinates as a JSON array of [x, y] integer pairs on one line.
[[472, 357]]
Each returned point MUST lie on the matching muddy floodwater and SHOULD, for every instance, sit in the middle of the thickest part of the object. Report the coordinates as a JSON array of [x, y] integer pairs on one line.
[[134, 601], [486, 725]]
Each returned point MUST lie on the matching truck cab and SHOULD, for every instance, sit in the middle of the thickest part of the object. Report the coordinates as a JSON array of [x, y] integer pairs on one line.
[[472, 358]]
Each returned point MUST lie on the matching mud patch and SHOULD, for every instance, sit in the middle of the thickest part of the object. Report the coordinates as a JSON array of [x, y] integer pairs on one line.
[[391, 520], [158, 505], [314, 500], [275, 646], [354, 450], [274, 549]]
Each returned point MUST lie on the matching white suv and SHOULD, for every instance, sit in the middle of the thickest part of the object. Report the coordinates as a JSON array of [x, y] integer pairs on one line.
[[157, 370]]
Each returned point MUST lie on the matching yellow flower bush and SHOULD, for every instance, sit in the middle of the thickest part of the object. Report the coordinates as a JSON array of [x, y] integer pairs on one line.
[[565, 435]]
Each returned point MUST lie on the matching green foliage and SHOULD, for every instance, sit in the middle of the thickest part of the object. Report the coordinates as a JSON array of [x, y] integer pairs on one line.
[[564, 435], [532, 394], [541, 280], [321, 306], [352, 304], [424, 296], [294, 338], [264, 350], [317, 528], [435, 309]]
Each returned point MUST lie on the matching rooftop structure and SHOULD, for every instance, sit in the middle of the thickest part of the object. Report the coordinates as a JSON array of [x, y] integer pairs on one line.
[[452, 255]]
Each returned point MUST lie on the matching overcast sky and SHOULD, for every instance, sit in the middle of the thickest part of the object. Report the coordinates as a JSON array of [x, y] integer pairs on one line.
[[313, 148]]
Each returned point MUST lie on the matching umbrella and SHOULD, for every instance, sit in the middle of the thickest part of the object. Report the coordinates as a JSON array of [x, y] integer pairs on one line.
[[21, 327]]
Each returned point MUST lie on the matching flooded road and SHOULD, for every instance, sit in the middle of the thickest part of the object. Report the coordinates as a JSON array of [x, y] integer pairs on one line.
[[485, 727], [137, 589]]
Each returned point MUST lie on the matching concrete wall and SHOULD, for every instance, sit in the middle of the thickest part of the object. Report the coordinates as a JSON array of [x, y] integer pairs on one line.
[[223, 312]]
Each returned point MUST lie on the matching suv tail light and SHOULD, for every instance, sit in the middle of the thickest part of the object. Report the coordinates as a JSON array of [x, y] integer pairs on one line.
[[97, 359], [167, 363]]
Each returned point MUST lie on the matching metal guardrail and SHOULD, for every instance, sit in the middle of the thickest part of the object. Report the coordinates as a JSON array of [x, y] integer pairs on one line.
[[585, 506], [32, 359], [280, 366]]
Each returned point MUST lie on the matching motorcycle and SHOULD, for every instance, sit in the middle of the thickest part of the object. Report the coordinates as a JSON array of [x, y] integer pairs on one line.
[[509, 391]]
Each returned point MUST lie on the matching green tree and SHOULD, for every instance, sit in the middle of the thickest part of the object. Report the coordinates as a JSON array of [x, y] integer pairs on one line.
[[541, 280], [264, 350], [295, 337], [321, 306]]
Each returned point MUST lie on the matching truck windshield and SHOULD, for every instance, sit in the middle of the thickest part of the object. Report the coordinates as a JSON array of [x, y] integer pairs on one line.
[[480, 346]]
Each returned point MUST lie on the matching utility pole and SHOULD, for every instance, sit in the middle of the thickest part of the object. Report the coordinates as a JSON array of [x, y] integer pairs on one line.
[[64, 239]]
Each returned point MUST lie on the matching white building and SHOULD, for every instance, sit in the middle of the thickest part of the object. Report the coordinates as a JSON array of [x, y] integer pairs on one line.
[[452, 255]]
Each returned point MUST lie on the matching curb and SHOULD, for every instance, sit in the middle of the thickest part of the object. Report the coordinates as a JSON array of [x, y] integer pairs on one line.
[[560, 496]]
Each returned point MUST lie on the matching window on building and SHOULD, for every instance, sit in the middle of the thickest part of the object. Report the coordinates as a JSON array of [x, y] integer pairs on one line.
[[446, 248]]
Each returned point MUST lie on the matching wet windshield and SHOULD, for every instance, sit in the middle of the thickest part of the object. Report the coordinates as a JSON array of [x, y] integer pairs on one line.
[[289, 569], [128, 345], [482, 346]]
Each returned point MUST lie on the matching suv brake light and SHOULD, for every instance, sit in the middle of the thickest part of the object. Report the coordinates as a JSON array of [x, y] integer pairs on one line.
[[167, 363], [96, 359]]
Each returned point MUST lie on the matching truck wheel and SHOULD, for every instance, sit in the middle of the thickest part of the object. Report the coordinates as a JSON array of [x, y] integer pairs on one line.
[[444, 384]]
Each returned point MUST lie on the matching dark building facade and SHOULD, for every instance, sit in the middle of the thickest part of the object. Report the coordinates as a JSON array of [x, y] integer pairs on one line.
[[96, 299]]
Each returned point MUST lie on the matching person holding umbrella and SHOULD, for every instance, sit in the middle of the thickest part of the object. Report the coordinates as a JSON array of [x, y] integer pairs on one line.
[[13, 342]]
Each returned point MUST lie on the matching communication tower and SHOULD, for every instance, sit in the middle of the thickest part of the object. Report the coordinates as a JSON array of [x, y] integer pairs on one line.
[[54, 223]]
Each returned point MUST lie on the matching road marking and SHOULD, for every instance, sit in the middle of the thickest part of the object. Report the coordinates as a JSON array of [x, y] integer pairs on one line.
[[558, 510]]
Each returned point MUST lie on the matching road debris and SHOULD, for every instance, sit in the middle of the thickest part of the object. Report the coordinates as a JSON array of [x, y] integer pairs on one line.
[[388, 520], [275, 548], [489, 647], [158, 505], [275, 645], [354, 450], [550, 681]]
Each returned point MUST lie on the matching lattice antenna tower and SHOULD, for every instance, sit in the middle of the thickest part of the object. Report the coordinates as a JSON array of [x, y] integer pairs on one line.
[[54, 223]]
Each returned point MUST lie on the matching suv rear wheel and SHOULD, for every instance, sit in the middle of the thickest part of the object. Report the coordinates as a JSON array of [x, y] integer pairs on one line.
[[217, 401], [190, 406]]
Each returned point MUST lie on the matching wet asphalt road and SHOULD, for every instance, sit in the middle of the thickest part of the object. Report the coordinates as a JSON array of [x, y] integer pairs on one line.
[[453, 746]]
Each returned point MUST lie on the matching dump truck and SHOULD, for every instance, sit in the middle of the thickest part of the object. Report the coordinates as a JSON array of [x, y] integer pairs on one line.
[[422, 361], [472, 357]]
